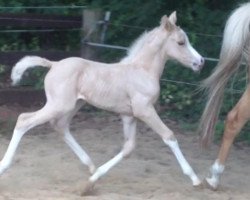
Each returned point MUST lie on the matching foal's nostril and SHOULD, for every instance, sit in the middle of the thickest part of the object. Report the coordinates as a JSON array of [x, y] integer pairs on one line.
[[202, 61]]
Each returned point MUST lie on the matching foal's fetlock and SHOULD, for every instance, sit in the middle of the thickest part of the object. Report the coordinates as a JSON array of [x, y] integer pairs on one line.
[[194, 178], [92, 169]]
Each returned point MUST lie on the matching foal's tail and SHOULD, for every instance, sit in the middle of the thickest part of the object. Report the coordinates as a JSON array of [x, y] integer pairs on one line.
[[26, 63], [235, 46]]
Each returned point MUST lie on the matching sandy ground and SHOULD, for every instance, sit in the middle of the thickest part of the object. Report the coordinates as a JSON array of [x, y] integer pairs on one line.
[[45, 168]]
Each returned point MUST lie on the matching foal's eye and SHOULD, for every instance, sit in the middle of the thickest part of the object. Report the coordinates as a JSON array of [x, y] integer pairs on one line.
[[181, 43]]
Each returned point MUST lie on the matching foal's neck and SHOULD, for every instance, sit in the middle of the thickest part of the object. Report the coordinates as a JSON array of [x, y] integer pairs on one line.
[[152, 57], [154, 64], [148, 53], [153, 60]]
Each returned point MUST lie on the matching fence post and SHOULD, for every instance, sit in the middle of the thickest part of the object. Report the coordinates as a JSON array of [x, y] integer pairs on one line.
[[105, 25], [91, 32]]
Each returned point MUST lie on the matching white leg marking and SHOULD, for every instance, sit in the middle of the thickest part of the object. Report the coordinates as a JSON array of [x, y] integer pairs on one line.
[[106, 167], [216, 170], [82, 155], [186, 168], [8, 157]]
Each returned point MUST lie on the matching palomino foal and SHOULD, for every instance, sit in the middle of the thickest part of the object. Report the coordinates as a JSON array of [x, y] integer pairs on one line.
[[235, 48], [130, 88]]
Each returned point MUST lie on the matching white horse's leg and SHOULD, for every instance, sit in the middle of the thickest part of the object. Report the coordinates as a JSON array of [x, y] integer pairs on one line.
[[216, 171], [129, 129], [151, 118], [236, 119], [25, 122]]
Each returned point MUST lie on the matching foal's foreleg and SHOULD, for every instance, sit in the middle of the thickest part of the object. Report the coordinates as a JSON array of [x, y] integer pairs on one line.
[[25, 122], [236, 119], [129, 130], [151, 118]]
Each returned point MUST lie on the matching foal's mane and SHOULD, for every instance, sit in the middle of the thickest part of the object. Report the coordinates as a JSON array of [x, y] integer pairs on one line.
[[138, 44]]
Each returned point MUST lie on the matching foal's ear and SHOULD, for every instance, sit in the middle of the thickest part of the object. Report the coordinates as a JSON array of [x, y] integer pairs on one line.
[[173, 18], [166, 23]]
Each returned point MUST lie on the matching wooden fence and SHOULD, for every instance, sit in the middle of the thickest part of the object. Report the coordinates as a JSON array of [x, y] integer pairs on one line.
[[28, 21], [85, 23]]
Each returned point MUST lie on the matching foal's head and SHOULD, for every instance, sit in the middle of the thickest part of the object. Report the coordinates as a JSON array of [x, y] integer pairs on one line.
[[177, 46]]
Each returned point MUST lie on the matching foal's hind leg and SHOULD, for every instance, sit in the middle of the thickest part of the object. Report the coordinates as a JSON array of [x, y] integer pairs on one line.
[[62, 125], [25, 122], [129, 130], [236, 119]]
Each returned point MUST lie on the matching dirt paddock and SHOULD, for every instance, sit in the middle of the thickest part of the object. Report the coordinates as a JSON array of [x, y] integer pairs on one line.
[[45, 168]]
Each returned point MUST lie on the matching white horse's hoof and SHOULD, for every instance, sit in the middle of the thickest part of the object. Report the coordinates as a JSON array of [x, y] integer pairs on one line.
[[211, 183]]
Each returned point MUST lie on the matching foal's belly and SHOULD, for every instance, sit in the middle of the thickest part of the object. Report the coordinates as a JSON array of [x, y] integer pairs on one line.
[[110, 103]]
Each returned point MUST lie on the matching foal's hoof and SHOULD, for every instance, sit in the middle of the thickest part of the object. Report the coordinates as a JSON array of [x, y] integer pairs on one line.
[[199, 186], [208, 183], [197, 183], [88, 189]]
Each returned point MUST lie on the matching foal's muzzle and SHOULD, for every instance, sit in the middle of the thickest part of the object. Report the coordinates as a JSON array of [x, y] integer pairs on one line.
[[198, 65]]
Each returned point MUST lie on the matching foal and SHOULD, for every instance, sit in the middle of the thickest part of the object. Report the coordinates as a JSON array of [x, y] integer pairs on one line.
[[130, 88], [235, 47]]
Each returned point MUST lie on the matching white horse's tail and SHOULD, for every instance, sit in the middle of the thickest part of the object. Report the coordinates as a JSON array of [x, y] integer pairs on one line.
[[26, 63], [235, 47]]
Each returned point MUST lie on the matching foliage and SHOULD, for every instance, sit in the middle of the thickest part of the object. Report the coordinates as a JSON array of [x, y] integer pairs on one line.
[[34, 77]]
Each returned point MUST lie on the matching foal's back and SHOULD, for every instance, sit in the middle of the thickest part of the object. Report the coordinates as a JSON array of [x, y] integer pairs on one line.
[[102, 85]]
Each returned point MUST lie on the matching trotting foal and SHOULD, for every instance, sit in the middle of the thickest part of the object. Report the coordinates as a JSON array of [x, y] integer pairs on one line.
[[130, 88]]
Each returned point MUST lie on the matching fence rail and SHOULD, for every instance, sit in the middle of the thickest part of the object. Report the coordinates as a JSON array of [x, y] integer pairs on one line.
[[56, 23], [42, 7], [10, 58], [39, 20]]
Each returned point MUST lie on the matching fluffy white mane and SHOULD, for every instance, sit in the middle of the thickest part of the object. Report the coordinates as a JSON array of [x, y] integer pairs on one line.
[[138, 45]]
